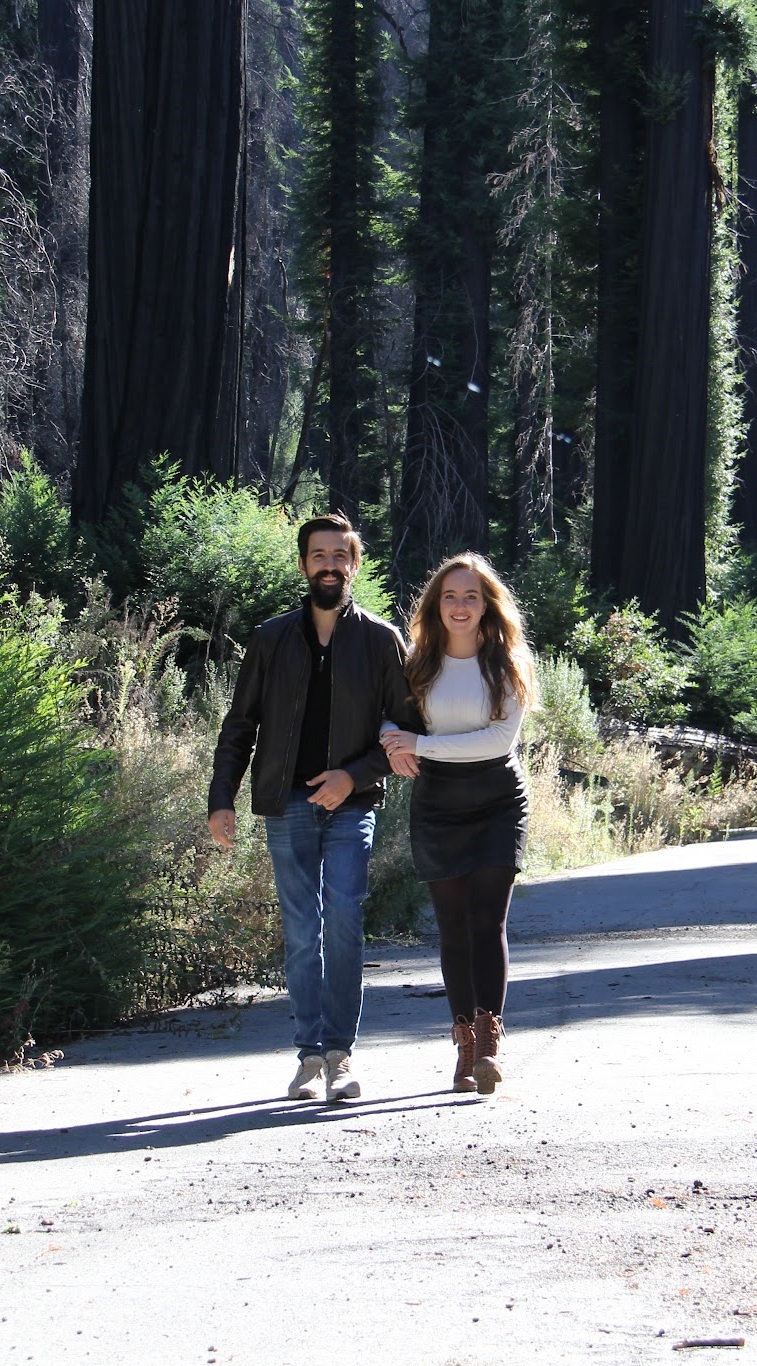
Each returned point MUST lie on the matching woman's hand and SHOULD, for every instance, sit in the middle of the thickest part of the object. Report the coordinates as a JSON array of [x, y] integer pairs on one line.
[[399, 746], [399, 741]]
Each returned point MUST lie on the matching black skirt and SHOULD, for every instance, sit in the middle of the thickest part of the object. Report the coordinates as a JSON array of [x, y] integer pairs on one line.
[[468, 816]]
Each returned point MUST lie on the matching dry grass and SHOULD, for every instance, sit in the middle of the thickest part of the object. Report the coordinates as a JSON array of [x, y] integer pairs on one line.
[[569, 826], [634, 801], [212, 917]]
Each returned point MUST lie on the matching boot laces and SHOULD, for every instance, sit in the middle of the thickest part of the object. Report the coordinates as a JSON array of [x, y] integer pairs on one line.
[[464, 1037], [488, 1031]]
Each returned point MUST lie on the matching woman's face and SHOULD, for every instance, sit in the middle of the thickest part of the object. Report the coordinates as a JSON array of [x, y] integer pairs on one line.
[[461, 607]]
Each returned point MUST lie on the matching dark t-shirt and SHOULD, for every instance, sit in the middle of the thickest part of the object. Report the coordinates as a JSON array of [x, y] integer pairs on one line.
[[313, 752]]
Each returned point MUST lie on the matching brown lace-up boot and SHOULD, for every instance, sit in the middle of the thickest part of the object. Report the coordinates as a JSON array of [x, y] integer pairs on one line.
[[463, 1036], [487, 1069]]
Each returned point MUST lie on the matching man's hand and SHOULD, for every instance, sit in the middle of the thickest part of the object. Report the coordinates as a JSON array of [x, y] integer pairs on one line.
[[333, 786], [399, 747], [406, 765], [223, 828]]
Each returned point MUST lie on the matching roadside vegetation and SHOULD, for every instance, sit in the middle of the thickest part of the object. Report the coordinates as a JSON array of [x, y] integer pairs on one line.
[[118, 653]]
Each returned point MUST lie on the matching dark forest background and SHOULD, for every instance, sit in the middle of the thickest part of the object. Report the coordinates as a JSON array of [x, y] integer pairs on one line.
[[482, 274]]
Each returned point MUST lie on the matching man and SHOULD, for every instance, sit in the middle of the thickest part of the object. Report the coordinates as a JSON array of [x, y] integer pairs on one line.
[[313, 688]]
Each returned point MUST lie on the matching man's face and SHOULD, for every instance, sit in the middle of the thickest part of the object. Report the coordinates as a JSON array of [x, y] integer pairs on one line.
[[329, 569]]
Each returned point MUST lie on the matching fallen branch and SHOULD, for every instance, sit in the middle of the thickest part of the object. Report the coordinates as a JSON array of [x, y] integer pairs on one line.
[[709, 1342]]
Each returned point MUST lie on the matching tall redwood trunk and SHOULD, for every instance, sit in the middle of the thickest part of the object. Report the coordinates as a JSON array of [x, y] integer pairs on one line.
[[663, 558], [166, 250], [443, 501], [620, 147]]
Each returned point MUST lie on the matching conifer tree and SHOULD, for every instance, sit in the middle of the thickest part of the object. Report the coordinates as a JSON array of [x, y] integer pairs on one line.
[[663, 559], [549, 209], [337, 203], [463, 115], [746, 489], [726, 395], [274, 351], [65, 54]]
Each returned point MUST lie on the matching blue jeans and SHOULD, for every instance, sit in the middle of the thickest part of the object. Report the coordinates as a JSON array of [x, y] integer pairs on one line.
[[320, 862]]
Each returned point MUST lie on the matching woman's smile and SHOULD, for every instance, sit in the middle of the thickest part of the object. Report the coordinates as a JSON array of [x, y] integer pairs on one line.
[[461, 607]]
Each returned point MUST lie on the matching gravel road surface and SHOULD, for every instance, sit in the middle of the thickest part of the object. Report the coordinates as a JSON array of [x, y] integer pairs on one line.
[[162, 1205]]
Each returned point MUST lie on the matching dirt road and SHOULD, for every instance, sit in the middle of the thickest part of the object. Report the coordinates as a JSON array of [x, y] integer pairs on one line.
[[162, 1204]]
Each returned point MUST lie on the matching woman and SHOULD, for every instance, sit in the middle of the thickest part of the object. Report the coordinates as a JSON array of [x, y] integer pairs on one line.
[[471, 674]]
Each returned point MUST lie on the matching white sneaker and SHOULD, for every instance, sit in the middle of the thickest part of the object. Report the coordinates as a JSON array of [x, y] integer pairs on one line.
[[308, 1081], [340, 1084]]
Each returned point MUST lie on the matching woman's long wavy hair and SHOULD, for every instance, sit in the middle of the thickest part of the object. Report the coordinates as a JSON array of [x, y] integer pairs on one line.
[[503, 652]]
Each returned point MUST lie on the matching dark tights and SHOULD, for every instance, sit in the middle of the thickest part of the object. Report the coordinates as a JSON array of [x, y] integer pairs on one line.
[[471, 913]]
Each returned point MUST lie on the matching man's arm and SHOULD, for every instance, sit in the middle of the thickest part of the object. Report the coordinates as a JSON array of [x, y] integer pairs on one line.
[[396, 705], [237, 738], [399, 705]]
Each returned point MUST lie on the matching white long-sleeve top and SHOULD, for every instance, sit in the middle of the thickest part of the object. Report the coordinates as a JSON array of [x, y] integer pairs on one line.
[[459, 722]]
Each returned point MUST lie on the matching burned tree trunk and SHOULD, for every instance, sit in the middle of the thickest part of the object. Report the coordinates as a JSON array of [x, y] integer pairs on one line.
[[166, 255], [621, 34], [663, 559], [443, 503]]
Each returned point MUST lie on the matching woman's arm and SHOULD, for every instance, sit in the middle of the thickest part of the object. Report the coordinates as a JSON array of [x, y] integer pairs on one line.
[[489, 742]]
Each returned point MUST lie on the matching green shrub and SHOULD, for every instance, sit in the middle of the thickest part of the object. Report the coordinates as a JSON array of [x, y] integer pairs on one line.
[[228, 562], [39, 551], [396, 896], [566, 719], [632, 672], [722, 660], [70, 929], [371, 591], [733, 577], [114, 898], [116, 544], [211, 917], [130, 659], [552, 590]]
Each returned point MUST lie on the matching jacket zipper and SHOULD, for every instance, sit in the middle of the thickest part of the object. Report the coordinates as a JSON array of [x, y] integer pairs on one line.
[[331, 708], [294, 713]]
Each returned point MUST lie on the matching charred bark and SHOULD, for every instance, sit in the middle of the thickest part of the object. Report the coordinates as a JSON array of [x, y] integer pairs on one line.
[[620, 150], [166, 250], [663, 558], [444, 485]]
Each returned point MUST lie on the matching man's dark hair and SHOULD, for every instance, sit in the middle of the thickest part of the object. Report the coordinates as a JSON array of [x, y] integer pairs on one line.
[[331, 521]]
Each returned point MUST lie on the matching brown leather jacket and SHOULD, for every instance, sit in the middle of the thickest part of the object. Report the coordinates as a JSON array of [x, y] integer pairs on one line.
[[265, 719]]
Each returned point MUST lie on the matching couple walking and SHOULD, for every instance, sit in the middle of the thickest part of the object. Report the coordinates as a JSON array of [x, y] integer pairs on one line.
[[326, 703]]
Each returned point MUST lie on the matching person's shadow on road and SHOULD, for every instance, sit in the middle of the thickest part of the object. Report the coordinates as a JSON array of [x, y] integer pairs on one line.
[[180, 1128]]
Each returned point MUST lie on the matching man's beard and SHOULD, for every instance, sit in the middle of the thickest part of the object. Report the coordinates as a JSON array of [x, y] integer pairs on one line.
[[329, 596]]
